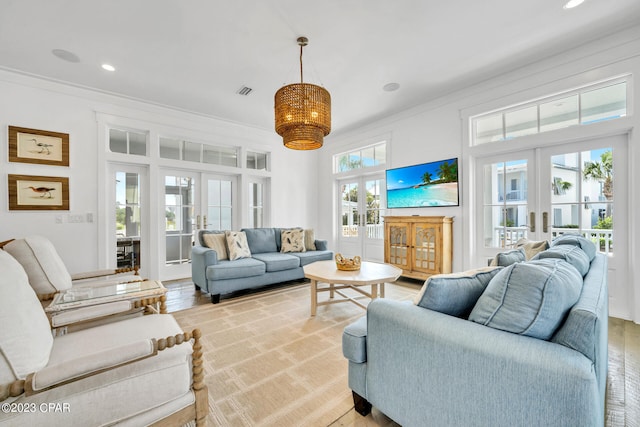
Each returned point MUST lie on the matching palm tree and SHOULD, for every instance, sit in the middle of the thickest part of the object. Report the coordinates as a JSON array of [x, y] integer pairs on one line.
[[601, 171], [448, 172], [426, 178]]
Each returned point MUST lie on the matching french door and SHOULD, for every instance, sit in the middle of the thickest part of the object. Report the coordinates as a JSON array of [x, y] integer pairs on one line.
[[192, 201], [361, 230], [542, 193]]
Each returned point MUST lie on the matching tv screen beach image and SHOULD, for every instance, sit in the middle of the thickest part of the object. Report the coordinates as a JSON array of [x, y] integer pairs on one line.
[[424, 185]]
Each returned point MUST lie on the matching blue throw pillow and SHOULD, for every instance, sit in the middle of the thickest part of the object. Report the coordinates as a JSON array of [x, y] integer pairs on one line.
[[456, 293], [505, 259], [576, 240], [574, 255], [529, 298]]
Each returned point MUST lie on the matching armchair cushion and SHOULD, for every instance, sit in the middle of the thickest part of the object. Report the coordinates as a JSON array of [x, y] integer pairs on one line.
[[91, 363], [39, 258], [529, 298], [455, 293], [24, 349]]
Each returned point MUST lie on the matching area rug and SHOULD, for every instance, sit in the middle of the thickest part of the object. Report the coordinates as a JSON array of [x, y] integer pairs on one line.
[[269, 363]]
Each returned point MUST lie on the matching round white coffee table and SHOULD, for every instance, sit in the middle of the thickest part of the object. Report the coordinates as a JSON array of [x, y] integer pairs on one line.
[[370, 273]]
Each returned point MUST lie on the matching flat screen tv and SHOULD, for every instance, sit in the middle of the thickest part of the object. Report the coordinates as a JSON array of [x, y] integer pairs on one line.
[[424, 185]]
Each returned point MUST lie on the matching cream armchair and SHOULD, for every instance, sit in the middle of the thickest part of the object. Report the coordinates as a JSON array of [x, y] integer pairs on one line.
[[117, 373], [47, 272]]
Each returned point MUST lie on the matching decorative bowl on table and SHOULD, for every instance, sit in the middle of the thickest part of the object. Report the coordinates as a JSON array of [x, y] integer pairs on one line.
[[347, 264]]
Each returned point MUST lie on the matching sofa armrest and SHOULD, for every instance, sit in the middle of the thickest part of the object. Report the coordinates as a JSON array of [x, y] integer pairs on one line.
[[354, 341], [83, 314], [103, 273], [201, 258], [418, 358], [321, 245]]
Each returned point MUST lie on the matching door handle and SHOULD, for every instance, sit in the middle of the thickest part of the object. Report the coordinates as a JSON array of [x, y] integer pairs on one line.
[[545, 222], [205, 222], [532, 222], [198, 222]]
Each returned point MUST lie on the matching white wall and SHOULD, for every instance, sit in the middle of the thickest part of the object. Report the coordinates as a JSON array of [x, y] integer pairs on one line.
[[439, 129], [40, 104]]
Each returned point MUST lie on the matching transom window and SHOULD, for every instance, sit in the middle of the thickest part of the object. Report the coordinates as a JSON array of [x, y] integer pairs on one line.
[[128, 142], [196, 152], [370, 156], [595, 103]]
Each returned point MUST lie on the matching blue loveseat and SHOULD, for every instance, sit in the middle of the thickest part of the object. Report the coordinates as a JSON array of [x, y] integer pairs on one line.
[[422, 367], [266, 264]]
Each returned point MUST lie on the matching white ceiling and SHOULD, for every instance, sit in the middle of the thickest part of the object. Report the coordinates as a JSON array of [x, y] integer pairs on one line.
[[195, 54]]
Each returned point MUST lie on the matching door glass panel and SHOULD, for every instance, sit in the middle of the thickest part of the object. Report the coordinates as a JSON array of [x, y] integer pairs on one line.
[[128, 209], [255, 204], [582, 196], [505, 203], [219, 208], [179, 218], [374, 226], [349, 210]]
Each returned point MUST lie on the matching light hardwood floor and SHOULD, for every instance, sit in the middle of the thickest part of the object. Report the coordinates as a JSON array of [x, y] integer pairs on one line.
[[623, 379]]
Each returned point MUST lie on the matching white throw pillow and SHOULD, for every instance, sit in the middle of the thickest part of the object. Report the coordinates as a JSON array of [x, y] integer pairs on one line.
[[237, 244], [293, 240], [309, 240]]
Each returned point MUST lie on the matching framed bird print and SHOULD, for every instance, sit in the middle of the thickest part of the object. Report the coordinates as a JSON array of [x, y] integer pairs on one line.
[[29, 192], [38, 146]]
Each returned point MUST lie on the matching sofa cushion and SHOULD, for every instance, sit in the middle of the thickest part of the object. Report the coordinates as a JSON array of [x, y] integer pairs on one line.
[[237, 269], [529, 298], [25, 336], [531, 247], [574, 255], [39, 258], [354, 341], [217, 242], [261, 240], [312, 256], [576, 240], [504, 259], [292, 240], [455, 293], [237, 245], [276, 261]]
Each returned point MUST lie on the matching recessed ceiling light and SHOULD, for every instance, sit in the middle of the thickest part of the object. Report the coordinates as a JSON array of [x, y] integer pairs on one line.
[[108, 67], [573, 3], [65, 55], [390, 87]]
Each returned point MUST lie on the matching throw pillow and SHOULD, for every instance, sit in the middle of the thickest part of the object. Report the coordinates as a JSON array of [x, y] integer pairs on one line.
[[455, 293], [574, 255], [237, 244], [576, 240], [531, 247], [217, 242], [529, 298], [309, 240], [505, 259], [293, 240]]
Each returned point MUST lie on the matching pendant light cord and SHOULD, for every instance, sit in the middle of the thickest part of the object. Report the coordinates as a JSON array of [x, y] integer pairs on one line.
[[301, 64]]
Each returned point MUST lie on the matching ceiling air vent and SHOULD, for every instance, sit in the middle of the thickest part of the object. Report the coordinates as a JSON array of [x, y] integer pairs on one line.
[[244, 91]]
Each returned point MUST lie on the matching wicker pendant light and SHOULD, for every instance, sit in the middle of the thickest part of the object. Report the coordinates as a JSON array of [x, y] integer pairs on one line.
[[303, 112]]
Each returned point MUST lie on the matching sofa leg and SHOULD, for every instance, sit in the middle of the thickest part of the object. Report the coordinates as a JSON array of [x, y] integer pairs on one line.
[[197, 287], [215, 298], [362, 406]]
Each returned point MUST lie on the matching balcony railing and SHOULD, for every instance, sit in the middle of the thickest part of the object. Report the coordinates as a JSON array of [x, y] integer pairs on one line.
[[373, 231], [508, 236]]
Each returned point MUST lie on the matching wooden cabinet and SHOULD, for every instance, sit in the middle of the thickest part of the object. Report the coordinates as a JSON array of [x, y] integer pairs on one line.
[[420, 245]]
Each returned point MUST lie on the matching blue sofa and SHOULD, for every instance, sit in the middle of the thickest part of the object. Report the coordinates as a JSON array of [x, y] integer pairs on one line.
[[267, 265], [422, 367]]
